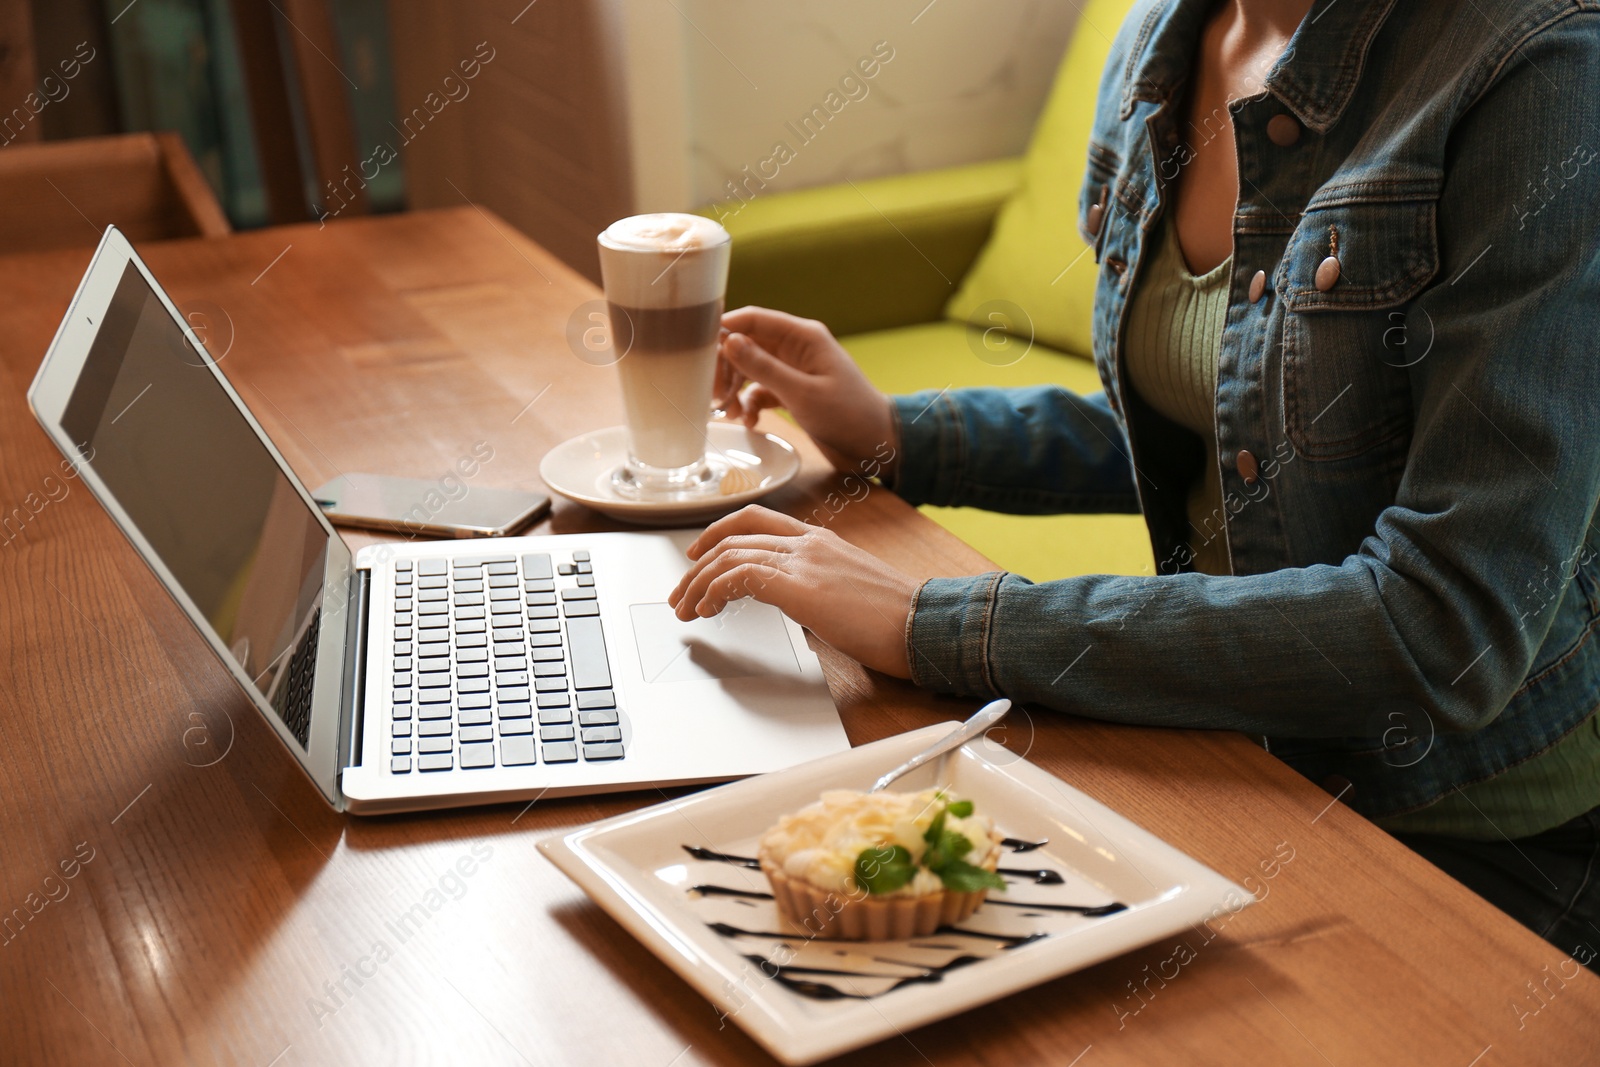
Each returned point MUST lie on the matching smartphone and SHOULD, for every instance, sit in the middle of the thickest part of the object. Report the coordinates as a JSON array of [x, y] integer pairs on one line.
[[448, 507]]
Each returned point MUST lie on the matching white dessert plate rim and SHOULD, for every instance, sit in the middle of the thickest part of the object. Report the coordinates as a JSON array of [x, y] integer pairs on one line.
[[623, 864]]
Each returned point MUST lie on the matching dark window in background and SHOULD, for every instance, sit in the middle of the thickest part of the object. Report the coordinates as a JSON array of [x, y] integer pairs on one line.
[[176, 65]]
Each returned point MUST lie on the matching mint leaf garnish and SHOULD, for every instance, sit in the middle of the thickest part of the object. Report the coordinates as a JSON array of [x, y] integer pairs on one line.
[[962, 877], [885, 869], [960, 809]]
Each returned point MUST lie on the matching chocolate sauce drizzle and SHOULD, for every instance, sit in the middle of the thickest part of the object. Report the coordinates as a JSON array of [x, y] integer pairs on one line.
[[810, 980]]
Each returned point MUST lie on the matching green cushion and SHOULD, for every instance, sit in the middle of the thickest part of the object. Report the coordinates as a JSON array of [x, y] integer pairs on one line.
[[865, 255], [1041, 547], [1035, 259]]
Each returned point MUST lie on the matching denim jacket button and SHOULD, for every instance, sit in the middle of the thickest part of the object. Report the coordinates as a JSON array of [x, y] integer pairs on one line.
[[1097, 215], [1283, 130], [1258, 286], [1246, 464], [1327, 274]]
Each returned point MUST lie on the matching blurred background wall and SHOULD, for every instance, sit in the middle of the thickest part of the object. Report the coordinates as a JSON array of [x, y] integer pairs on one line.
[[560, 115]]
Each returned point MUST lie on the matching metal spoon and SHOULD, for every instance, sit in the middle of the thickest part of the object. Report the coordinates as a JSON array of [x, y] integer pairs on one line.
[[986, 717]]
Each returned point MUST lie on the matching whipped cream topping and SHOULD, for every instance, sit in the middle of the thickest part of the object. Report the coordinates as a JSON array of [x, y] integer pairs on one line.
[[819, 843]]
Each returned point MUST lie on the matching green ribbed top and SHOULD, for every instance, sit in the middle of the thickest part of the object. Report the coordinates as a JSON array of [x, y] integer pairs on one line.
[[1174, 335]]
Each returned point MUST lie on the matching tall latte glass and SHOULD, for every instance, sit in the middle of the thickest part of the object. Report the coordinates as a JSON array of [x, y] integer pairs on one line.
[[664, 278]]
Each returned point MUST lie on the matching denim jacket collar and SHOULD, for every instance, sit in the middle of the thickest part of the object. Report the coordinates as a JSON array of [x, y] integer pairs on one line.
[[1315, 77]]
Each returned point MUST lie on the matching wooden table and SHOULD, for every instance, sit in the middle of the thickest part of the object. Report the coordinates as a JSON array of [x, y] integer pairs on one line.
[[218, 906]]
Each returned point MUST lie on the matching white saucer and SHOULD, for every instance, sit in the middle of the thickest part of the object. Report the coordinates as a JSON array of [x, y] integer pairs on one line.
[[581, 469]]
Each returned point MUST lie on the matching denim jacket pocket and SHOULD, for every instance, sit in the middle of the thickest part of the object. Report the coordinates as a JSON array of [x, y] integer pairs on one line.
[[1346, 345]]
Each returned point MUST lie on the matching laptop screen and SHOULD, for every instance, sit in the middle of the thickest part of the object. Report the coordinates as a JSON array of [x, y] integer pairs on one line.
[[153, 421]]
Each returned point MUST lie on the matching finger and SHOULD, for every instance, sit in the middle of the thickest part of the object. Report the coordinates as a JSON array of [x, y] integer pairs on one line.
[[750, 519], [754, 401], [767, 326], [726, 388], [773, 543], [768, 585], [760, 365], [713, 567]]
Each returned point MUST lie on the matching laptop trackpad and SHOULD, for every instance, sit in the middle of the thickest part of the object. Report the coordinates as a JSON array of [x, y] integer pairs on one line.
[[747, 639]]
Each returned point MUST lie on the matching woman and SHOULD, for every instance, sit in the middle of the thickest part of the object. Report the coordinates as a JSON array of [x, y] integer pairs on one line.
[[1348, 352]]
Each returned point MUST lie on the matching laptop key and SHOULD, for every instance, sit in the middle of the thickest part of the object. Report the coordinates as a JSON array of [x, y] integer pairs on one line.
[[400, 729], [578, 594], [402, 679], [473, 717], [513, 711], [595, 753], [507, 635], [474, 757], [538, 600], [401, 662], [402, 696], [467, 600], [580, 608], [435, 744], [472, 685], [590, 668], [469, 734], [561, 752], [555, 733], [469, 613], [510, 678], [513, 695], [552, 625], [400, 765], [501, 608], [543, 612], [431, 566], [471, 640], [402, 633], [549, 640], [432, 607], [510, 663], [472, 700], [435, 761], [540, 585], [550, 669], [550, 685], [580, 555], [503, 592], [402, 565], [595, 735], [470, 626], [500, 566], [503, 581], [597, 718], [472, 670], [510, 727], [566, 568], [433, 593], [585, 568], [472, 655], [599, 698], [400, 746], [433, 711], [554, 717], [554, 700], [461, 586], [402, 619], [536, 565], [435, 728], [401, 711], [548, 654], [586, 581], [516, 751]]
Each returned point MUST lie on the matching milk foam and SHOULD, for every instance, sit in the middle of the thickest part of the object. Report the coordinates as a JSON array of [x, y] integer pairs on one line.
[[668, 259]]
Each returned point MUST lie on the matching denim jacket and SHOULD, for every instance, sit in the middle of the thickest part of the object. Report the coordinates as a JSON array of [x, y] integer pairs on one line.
[[1415, 585]]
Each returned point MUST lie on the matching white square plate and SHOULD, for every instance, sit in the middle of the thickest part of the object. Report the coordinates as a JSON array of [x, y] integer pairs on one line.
[[805, 1000]]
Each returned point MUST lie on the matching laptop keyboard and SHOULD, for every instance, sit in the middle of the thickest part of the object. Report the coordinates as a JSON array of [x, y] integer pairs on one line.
[[499, 661]]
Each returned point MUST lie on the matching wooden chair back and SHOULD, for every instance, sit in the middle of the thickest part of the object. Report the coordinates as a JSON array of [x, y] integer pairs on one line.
[[62, 194]]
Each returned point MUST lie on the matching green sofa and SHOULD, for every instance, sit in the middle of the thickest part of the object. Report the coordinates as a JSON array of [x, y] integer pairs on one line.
[[902, 268]]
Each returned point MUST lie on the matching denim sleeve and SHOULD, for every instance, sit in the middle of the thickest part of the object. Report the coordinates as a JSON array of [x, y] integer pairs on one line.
[[1032, 451], [1500, 484]]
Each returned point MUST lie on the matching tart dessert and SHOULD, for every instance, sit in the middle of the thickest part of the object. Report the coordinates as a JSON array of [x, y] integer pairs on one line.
[[880, 866]]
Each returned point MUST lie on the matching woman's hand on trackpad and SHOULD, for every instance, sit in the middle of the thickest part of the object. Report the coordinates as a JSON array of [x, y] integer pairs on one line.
[[845, 595]]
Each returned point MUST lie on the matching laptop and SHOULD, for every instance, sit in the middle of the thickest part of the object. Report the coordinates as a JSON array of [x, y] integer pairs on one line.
[[412, 675]]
